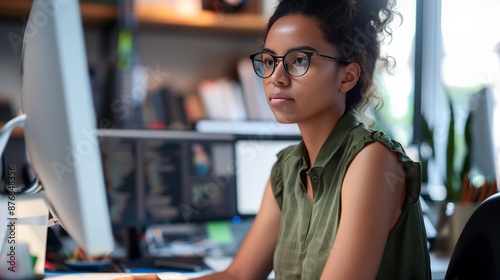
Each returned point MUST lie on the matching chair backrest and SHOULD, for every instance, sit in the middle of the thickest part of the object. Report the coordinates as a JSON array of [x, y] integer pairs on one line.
[[477, 252]]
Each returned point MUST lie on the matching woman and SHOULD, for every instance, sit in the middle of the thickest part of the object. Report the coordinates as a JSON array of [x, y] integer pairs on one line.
[[344, 203]]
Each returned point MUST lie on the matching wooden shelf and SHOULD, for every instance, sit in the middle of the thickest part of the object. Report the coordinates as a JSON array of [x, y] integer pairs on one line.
[[153, 16], [242, 23], [92, 13]]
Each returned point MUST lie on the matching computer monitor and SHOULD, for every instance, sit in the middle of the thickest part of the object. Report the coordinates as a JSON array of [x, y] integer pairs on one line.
[[60, 128], [179, 182], [168, 177], [481, 146]]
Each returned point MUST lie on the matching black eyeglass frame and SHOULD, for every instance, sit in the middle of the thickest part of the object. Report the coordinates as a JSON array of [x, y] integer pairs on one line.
[[275, 60]]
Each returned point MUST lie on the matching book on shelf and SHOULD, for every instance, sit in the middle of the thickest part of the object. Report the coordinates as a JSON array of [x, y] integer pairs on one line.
[[164, 109], [174, 109], [222, 99]]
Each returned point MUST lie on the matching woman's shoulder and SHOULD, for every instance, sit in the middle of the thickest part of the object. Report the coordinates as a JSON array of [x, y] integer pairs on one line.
[[363, 135], [412, 169]]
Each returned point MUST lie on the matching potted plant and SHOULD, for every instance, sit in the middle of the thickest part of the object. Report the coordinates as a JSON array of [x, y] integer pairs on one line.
[[462, 195]]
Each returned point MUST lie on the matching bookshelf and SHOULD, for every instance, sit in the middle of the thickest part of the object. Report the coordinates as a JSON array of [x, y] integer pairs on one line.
[[184, 50]]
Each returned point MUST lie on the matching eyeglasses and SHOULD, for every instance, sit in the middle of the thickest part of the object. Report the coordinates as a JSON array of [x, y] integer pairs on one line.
[[296, 63]]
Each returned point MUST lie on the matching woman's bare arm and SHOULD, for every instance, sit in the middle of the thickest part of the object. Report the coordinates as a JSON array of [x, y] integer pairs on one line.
[[254, 259], [372, 198]]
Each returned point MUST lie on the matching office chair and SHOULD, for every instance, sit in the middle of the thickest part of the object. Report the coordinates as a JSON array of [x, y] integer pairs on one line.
[[477, 251]]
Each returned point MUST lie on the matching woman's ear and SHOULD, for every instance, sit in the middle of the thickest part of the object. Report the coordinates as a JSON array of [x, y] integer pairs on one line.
[[351, 76]]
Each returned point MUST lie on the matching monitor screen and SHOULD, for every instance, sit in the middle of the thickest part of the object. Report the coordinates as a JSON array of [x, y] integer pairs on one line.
[[254, 160], [481, 146], [60, 130], [156, 177]]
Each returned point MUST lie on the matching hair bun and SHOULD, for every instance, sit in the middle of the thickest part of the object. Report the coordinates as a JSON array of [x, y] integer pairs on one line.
[[376, 12]]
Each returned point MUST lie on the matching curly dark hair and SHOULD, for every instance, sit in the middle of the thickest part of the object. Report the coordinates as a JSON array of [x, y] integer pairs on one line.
[[357, 28]]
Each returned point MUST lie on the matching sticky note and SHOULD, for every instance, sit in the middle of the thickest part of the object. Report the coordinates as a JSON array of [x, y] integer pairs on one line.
[[219, 232]]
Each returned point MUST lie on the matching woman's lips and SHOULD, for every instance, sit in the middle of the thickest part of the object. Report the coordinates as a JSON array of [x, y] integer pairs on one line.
[[279, 99]]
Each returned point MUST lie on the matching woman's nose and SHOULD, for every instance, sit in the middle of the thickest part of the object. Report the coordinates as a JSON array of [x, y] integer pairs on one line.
[[280, 76]]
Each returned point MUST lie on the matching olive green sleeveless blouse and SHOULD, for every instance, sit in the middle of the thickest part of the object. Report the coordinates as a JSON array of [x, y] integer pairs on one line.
[[308, 228]]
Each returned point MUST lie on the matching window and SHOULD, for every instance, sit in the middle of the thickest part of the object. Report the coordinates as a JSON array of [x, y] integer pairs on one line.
[[397, 87], [471, 60]]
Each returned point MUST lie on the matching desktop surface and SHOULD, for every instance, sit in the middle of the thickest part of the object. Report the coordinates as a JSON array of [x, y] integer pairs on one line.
[[214, 263], [439, 265]]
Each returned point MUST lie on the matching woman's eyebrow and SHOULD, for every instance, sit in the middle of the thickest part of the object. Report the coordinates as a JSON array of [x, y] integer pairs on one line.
[[268, 50], [302, 48], [298, 48]]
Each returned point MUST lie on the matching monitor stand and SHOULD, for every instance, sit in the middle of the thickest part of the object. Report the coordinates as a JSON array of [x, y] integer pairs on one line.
[[6, 131]]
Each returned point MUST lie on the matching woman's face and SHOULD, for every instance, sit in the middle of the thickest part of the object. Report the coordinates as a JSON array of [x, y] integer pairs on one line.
[[314, 96]]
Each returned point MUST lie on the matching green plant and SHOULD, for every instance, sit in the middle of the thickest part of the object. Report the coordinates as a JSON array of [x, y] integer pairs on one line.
[[468, 142], [452, 180]]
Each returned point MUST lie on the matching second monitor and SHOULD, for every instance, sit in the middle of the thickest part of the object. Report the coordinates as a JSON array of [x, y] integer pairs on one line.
[[157, 177]]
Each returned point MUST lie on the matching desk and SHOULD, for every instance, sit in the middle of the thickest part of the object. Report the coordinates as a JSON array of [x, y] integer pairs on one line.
[[439, 264]]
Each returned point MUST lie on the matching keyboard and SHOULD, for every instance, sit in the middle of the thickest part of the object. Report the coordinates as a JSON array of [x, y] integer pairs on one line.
[[191, 264]]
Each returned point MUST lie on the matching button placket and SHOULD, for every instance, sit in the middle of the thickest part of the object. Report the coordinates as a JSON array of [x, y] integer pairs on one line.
[[314, 177]]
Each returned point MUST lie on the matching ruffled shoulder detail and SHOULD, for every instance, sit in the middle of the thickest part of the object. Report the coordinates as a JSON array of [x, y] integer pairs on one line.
[[412, 169]]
